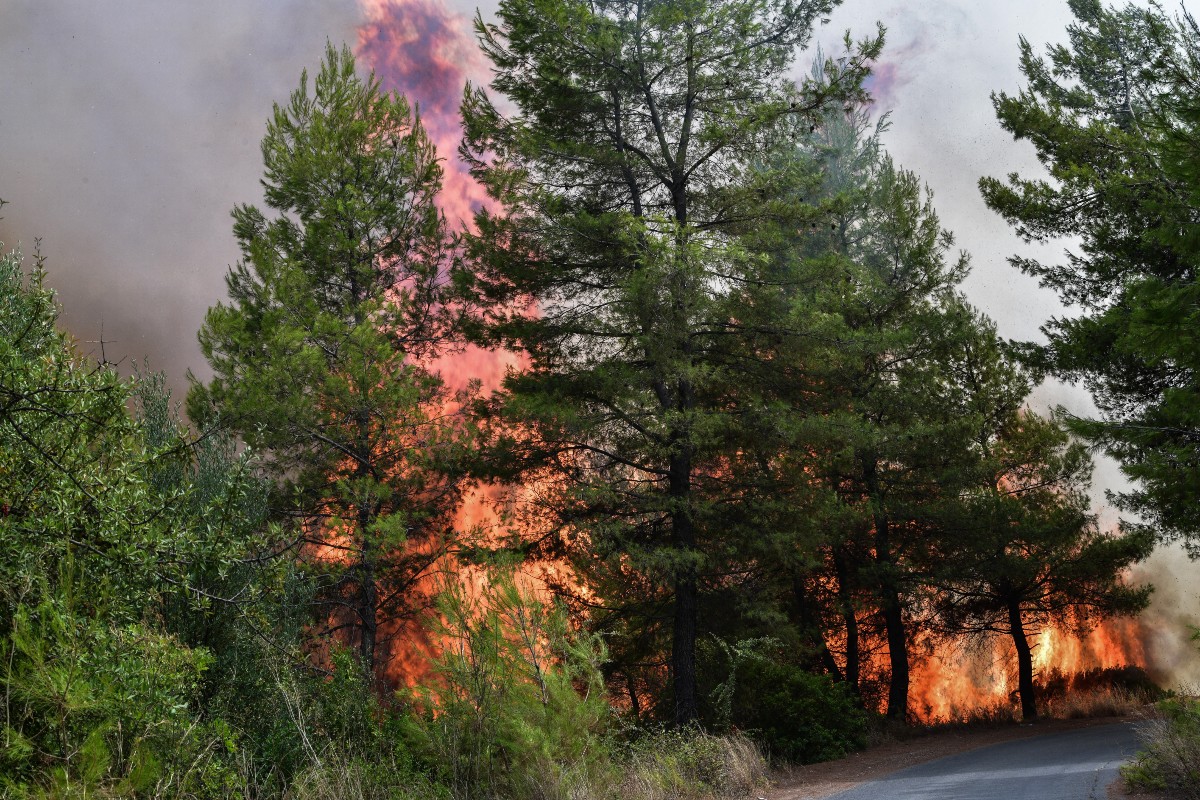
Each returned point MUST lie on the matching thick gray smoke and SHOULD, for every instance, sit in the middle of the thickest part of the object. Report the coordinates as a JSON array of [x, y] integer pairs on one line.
[[128, 130]]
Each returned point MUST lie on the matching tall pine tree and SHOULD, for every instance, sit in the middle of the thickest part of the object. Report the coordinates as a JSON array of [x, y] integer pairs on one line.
[[624, 173], [319, 358], [1112, 116]]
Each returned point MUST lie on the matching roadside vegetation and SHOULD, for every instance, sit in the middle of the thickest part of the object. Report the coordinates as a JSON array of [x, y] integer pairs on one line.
[[1171, 761], [758, 449]]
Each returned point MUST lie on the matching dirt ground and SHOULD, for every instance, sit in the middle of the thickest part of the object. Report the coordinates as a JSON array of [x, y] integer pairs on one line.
[[816, 781]]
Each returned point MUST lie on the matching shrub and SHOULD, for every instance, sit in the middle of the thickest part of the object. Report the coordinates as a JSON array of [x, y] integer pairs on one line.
[[797, 716], [94, 709], [1106, 692], [339, 742], [517, 708], [1171, 760]]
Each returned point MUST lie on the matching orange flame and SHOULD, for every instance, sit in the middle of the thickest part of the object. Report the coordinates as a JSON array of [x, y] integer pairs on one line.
[[961, 677]]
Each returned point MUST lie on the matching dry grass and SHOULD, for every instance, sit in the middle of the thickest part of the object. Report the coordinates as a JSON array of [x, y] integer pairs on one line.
[[693, 766], [353, 780], [1110, 702], [670, 765]]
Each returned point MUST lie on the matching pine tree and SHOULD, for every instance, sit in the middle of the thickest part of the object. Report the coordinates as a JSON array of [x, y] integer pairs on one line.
[[318, 360], [875, 260], [624, 174], [1021, 550], [1111, 114]]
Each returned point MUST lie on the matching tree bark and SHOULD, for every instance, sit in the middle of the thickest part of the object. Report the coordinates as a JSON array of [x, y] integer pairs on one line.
[[850, 619], [368, 598], [1024, 662], [810, 626], [893, 620], [889, 598], [683, 640]]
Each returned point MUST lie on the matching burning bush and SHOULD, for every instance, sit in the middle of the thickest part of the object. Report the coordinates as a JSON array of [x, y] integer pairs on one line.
[[1097, 692]]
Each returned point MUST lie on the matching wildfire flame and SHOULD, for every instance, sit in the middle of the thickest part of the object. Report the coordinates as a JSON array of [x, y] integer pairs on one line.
[[958, 678], [428, 52], [425, 51]]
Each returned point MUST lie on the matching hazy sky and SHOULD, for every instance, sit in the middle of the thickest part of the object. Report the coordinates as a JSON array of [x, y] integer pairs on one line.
[[130, 128]]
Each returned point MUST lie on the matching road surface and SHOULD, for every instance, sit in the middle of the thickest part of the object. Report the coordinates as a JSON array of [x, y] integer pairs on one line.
[[1072, 765]]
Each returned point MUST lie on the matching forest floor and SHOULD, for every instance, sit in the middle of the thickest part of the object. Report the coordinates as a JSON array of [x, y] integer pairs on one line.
[[816, 781]]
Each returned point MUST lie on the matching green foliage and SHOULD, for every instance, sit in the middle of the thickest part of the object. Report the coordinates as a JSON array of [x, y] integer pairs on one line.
[[94, 708], [319, 359], [1025, 535], [516, 707], [876, 418], [1112, 116], [797, 716], [1171, 760], [98, 696], [71, 466], [794, 715], [627, 174], [340, 742]]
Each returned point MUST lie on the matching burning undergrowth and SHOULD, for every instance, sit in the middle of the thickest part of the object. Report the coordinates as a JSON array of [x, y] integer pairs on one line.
[[428, 52]]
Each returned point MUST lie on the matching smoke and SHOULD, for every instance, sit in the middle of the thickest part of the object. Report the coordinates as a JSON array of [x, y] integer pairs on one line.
[[428, 52], [890, 75], [1173, 658], [125, 139]]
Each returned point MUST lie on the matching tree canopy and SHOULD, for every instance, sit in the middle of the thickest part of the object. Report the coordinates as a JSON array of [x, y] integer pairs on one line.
[[1111, 115], [631, 161]]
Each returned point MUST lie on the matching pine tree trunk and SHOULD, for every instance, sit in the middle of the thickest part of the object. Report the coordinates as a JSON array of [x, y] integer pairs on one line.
[[683, 641], [369, 618], [889, 596], [368, 597], [893, 620], [635, 704], [1024, 663], [850, 619], [810, 626], [683, 650], [853, 660]]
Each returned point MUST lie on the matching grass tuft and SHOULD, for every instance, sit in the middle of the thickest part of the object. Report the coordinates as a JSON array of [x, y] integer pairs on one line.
[[691, 765]]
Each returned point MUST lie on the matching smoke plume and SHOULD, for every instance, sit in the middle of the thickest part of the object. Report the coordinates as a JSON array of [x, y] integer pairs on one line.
[[427, 52], [127, 133]]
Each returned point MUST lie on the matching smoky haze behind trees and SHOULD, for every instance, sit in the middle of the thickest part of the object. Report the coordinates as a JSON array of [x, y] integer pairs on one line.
[[130, 128], [127, 133]]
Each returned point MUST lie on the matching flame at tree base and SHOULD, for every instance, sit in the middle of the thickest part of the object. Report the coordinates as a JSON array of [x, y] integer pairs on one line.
[[968, 679]]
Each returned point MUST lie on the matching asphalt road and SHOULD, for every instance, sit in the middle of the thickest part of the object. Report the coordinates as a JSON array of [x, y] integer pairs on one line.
[[1072, 765]]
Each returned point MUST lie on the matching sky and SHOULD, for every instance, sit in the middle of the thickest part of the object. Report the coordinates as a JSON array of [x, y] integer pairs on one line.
[[130, 128]]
